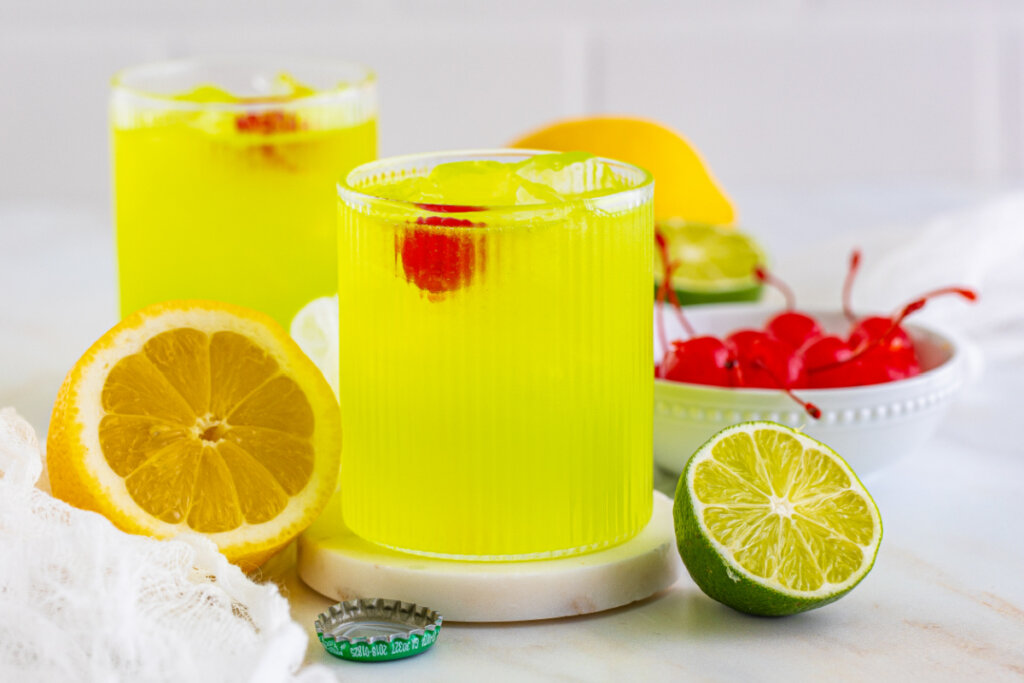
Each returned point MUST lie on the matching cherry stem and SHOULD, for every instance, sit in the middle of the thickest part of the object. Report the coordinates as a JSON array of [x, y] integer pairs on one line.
[[669, 267], [812, 410], [764, 276], [965, 292], [904, 313], [851, 275]]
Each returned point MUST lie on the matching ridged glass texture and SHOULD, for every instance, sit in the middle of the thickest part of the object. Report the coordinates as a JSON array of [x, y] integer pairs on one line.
[[495, 369], [234, 201]]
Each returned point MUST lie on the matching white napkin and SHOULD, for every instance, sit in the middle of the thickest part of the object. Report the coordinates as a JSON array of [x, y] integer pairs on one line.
[[982, 247], [82, 601]]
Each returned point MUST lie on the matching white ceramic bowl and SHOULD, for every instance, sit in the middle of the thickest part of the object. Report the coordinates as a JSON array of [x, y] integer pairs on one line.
[[870, 426]]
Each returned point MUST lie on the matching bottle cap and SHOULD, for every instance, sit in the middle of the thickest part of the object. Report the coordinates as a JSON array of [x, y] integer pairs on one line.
[[377, 630]]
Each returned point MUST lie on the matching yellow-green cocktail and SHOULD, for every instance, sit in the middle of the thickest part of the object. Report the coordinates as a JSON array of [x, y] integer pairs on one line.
[[496, 353], [224, 175]]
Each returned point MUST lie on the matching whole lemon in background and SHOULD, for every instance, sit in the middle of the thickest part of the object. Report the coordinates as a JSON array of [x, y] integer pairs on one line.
[[772, 522], [684, 187], [198, 416]]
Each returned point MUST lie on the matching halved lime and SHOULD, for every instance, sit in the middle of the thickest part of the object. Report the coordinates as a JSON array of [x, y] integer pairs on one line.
[[715, 264], [772, 522]]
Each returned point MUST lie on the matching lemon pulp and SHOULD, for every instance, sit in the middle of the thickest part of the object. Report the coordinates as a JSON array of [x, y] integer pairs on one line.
[[204, 430]]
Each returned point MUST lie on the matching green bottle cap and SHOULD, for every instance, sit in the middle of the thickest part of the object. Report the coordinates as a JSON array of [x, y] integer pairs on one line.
[[377, 630]]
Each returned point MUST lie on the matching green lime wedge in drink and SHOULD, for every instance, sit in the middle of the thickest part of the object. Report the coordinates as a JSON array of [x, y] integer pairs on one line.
[[712, 264], [772, 522]]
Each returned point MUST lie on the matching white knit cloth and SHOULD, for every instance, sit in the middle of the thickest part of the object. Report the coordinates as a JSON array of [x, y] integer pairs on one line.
[[82, 601]]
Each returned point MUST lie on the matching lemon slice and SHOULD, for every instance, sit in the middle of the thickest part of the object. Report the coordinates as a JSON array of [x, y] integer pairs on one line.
[[684, 187], [198, 416], [770, 521], [714, 264], [315, 329]]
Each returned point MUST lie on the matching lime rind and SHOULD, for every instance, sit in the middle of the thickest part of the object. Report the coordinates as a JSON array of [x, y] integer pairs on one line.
[[687, 297], [713, 566]]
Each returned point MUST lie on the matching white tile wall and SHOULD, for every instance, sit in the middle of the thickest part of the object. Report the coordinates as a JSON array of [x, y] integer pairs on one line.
[[790, 92], [800, 103], [53, 130]]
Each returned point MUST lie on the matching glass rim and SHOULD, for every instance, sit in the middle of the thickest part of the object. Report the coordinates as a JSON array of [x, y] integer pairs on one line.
[[349, 193], [364, 79]]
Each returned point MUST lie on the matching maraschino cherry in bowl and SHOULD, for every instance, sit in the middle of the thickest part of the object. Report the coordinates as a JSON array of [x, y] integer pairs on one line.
[[869, 425], [873, 387]]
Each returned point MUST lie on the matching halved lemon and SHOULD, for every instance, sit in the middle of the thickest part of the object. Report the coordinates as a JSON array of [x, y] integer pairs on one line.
[[772, 522], [198, 416], [684, 187]]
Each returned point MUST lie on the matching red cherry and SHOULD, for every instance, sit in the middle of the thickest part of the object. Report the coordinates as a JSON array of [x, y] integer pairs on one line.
[[440, 261], [267, 122], [893, 337], [877, 351], [700, 360], [832, 362], [829, 365], [892, 349], [764, 361], [793, 328], [270, 122], [880, 350]]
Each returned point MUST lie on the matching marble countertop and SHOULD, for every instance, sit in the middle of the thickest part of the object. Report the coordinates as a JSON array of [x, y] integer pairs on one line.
[[945, 600]]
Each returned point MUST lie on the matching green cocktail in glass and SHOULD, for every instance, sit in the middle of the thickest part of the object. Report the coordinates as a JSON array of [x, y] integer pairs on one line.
[[496, 353]]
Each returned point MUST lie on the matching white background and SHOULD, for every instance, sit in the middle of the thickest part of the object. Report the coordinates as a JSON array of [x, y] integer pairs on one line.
[[790, 93]]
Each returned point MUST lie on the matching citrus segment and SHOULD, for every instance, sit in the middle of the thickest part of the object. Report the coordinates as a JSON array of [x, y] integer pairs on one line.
[[286, 458], [718, 484], [198, 416], [128, 440], [770, 521], [182, 357], [136, 387], [260, 496], [237, 367], [214, 504], [782, 456], [685, 187], [278, 405], [162, 485]]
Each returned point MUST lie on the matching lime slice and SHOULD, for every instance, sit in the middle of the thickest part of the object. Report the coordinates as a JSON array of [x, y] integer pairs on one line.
[[770, 521], [716, 264]]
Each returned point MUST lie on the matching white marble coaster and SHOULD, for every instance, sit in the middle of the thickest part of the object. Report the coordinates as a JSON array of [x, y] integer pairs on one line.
[[337, 563]]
